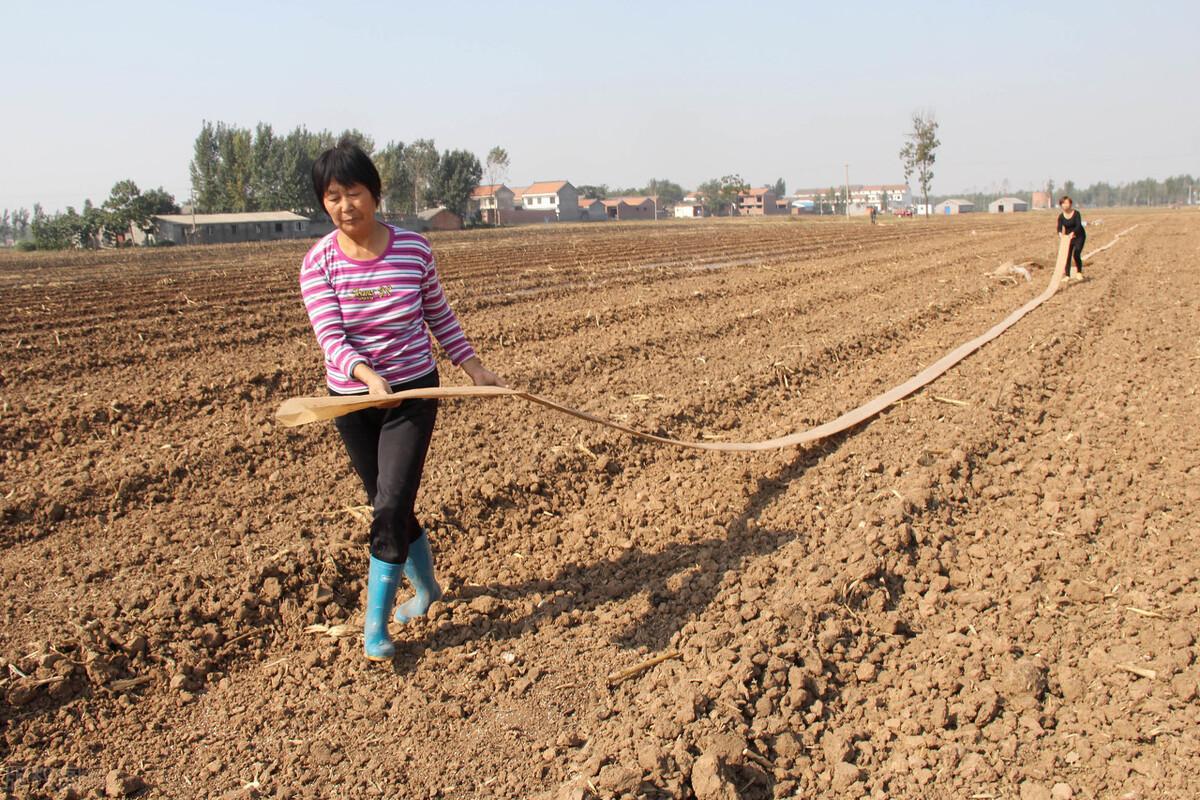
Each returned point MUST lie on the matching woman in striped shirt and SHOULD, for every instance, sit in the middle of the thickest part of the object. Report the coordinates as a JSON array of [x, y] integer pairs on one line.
[[371, 291]]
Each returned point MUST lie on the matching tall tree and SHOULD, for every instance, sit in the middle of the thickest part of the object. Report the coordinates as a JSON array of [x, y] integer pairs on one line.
[[235, 147], [421, 164], [208, 195], [920, 151], [780, 187], [20, 223], [91, 225], [268, 177], [457, 176], [397, 188], [667, 192], [496, 165]]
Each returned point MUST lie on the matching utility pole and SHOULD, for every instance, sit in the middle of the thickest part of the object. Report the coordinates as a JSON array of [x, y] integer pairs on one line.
[[847, 191]]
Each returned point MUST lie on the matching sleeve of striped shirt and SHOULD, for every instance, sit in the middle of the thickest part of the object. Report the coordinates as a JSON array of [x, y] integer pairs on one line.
[[325, 313], [441, 318]]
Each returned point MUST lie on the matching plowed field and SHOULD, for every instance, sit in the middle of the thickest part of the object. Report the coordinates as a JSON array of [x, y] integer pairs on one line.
[[991, 590]]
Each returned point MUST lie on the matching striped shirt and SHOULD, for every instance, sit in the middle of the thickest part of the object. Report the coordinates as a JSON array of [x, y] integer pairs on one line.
[[376, 312]]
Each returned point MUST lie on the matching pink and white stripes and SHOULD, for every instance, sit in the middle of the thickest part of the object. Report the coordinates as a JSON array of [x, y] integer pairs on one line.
[[376, 312]]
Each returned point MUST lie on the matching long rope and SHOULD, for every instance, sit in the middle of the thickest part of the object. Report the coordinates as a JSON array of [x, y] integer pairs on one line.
[[303, 410]]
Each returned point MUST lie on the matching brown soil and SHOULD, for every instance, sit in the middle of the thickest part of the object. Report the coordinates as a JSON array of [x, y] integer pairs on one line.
[[995, 597]]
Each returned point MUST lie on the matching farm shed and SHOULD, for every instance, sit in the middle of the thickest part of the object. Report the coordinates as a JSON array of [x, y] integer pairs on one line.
[[689, 210], [440, 219], [591, 209], [955, 206], [254, 226], [1007, 205], [623, 208]]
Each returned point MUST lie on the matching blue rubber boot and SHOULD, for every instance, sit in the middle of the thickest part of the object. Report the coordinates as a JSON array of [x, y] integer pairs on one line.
[[382, 582], [419, 571]]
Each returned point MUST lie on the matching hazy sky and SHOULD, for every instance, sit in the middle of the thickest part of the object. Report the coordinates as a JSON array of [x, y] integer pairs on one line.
[[609, 92]]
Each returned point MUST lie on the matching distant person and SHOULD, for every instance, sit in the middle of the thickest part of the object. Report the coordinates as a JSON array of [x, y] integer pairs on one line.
[[872, 215], [372, 294], [1070, 224]]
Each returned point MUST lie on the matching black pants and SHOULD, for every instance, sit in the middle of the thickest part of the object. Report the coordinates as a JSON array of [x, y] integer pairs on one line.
[[1076, 254], [387, 447]]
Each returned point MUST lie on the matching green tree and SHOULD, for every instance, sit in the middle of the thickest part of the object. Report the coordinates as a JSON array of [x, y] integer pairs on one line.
[[920, 151], [720, 195], [421, 163], [123, 210], [458, 174], [20, 223], [780, 187], [57, 232], [127, 208], [91, 225], [397, 188], [268, 171], [205, 169], [235, 147], [667, 192], [594, 192]]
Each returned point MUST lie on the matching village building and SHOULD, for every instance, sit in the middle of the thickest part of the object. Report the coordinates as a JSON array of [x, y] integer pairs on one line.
[[591, 209], [883, 197], [439, 219], [690, 210], [1007, 205], [954, 206], [253, 226], [557, 197], [486, 200], [758, 202], [627, 208]]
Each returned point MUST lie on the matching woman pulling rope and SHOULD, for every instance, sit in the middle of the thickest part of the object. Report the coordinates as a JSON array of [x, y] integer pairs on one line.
[[371, 291]]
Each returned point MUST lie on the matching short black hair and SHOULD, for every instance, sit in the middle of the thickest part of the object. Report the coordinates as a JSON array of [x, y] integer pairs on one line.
[[348, 164]]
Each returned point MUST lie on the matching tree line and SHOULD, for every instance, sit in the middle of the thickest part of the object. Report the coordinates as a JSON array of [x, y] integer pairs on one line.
[[235, 169], [112, 222], [1172, 191]]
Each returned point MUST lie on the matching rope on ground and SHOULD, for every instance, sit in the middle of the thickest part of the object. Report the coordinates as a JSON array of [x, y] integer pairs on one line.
[[303, 410]]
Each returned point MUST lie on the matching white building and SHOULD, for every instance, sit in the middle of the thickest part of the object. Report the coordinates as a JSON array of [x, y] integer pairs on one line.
[[890, 196], [1007, 205], [955, 206], [559, 197]]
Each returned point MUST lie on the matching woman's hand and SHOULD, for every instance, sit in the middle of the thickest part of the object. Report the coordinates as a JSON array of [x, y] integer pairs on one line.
[[374, 382], [481, 375]]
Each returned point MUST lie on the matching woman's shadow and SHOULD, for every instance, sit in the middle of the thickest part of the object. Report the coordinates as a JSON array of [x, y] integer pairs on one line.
[[578, 589]]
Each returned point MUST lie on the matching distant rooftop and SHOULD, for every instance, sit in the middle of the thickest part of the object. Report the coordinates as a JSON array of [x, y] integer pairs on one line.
[[231, 219]]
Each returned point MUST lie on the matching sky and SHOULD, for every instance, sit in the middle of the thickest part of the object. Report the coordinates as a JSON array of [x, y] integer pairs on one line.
[[614, 92]]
